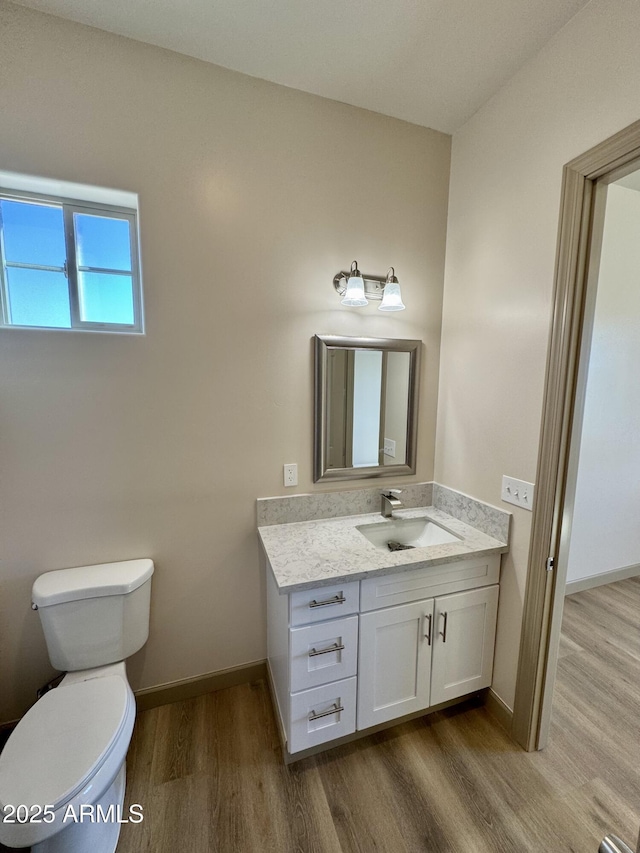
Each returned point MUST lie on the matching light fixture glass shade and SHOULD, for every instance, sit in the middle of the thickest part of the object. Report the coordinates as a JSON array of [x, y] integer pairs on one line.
[[391, 298], [354, 295]]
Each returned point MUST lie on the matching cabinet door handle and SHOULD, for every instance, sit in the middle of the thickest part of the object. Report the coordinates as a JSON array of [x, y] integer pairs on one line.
[[428, 634], [337, 599], [333, 710], [443, 633], [336, 647]]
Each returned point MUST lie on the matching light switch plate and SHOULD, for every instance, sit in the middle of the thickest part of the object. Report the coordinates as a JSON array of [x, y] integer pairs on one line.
[[517, 492], [390, 448]]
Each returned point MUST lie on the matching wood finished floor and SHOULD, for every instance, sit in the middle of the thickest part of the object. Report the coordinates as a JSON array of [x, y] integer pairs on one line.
[[209, 773]]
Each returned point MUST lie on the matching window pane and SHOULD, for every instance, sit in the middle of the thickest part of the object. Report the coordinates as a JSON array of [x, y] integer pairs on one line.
[[38, 298], [33, 233], [106, 298], [102, 242]]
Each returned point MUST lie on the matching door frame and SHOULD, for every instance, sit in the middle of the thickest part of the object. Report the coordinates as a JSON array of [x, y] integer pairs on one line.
[[539, 640]]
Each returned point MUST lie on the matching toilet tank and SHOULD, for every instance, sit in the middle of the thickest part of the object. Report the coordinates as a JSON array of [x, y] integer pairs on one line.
[[94, 615]]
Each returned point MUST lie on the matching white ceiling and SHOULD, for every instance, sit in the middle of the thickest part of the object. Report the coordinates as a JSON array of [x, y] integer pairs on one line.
[[430, 62]]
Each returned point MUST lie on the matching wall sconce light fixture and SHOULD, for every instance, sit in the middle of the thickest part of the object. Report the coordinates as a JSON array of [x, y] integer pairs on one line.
[[357, 289]]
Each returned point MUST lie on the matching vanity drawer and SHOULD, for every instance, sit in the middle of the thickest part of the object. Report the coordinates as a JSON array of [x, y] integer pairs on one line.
[[322, 714], [403, 587], [324, 652], [324, 602]]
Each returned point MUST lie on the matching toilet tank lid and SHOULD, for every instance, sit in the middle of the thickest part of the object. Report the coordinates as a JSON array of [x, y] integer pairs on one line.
[[90, 582]]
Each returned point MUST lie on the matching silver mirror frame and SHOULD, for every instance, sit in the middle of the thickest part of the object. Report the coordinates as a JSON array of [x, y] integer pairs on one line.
[[323, 343]]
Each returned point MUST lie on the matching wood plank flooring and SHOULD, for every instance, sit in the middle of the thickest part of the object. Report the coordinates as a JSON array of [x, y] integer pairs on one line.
[[209, 774]]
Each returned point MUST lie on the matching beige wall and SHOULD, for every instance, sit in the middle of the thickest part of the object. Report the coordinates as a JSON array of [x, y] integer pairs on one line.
[[501, 241], [252, 196]]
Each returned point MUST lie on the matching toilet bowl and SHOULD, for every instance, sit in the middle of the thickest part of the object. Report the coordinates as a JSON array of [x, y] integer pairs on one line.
[[68, 750], [62, 771]]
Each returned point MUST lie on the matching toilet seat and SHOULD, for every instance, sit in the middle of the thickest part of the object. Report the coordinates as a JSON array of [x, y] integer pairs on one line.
[[63, 741]]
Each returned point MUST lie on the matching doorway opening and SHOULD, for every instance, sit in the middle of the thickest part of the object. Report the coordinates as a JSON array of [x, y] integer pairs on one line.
[[586, 186]]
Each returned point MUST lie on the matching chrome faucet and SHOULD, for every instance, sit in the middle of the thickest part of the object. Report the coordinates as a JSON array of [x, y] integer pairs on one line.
[[390, 502]]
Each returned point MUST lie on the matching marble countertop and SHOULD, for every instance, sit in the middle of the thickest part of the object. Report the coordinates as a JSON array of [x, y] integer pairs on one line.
[[319, 553]]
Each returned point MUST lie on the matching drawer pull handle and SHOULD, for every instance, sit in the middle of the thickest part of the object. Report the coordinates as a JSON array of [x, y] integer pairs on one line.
[[337, 599], [333, 710], [336, 647], [428, 634], [443, 633]]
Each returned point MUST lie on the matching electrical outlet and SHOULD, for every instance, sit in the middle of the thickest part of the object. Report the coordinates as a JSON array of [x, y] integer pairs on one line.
[[390, 448], [517, 492], [291, 474]]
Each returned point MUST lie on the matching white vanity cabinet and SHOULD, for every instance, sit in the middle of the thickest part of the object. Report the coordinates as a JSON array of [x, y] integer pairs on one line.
[[416, 655], [357, 654], [312, 638]]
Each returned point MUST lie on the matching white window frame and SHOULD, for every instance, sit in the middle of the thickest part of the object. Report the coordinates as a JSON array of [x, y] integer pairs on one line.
[[70, 206]]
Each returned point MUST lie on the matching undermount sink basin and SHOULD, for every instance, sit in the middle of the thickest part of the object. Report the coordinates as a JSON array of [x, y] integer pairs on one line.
[[408, 532]]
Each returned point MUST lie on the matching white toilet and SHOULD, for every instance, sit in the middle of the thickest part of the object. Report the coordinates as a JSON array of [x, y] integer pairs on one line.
[[69, 749]]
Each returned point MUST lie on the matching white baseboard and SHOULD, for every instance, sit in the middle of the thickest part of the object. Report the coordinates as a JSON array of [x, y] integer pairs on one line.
[[603, 578]]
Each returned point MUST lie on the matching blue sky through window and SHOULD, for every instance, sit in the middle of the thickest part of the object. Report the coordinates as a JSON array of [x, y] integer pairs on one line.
[[102, 242], [106, 298], [34, 234], [38, 298]]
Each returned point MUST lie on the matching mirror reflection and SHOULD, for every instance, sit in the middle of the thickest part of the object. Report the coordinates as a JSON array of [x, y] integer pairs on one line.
[[366, 407]]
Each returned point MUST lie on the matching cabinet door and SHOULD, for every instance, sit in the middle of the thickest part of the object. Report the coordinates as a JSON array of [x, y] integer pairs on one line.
[[394, 663], [463, 640]]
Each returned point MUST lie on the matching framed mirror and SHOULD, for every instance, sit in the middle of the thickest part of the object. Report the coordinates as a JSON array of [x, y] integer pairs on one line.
[[366, 407]]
